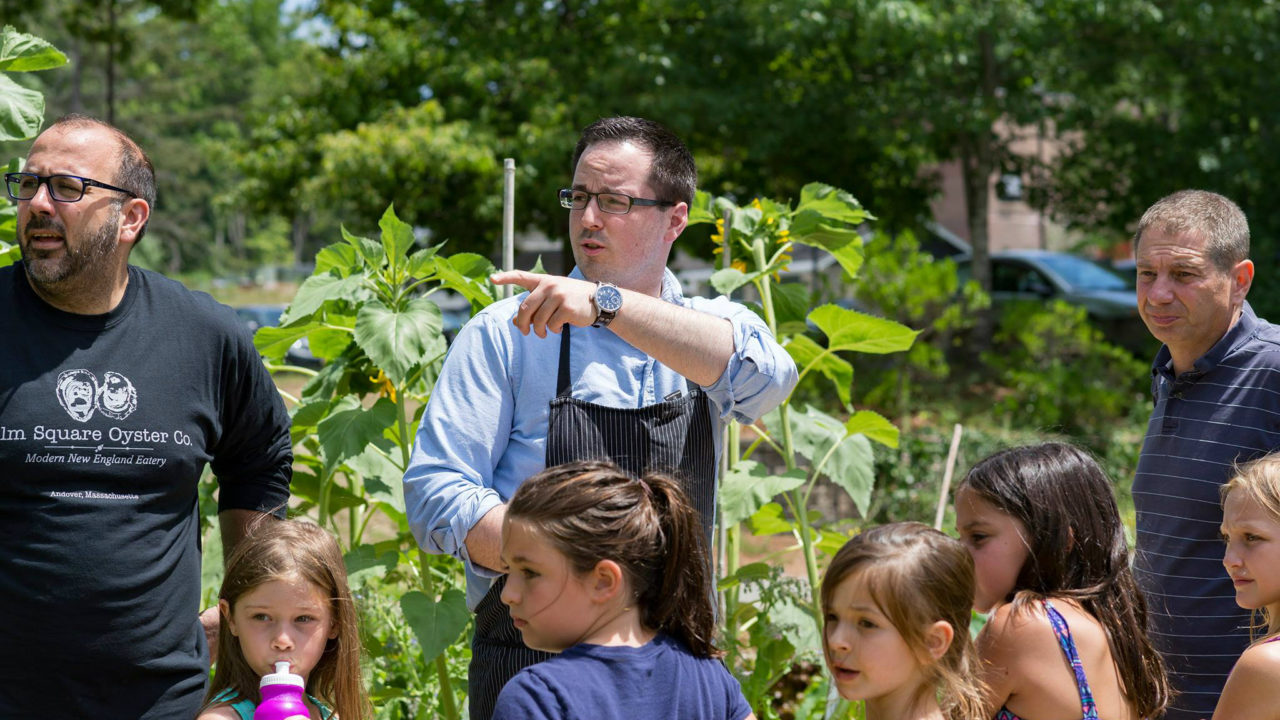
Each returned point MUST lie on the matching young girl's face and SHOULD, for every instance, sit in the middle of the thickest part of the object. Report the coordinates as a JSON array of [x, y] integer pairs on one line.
[[996, 540], [549, 603], [1252, 556], [868, 657], [285, 619]]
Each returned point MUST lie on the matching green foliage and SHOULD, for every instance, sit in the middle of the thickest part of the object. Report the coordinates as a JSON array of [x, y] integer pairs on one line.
[[902, 283], [367, 310], [21, 112], [1056, 372], [784, 621]]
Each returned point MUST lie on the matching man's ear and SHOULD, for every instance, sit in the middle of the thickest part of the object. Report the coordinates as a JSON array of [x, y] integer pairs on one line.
[[607, 581], [1241, 280], [679, 221], [937, 639], [224, 608], [133, 217]]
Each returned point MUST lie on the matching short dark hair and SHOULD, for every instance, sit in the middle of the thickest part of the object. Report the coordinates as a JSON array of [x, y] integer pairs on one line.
[[673, 175], [135, 172], [1215, 218]]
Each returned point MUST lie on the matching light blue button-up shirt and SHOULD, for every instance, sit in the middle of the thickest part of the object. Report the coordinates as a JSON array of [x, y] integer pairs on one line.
[[484, 429]]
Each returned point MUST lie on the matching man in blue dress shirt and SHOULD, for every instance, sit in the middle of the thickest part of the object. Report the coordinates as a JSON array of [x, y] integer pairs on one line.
[[611, 362], [1215, 385]]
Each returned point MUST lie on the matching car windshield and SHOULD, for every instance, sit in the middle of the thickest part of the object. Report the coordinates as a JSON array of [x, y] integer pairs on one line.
[[1083, 274]]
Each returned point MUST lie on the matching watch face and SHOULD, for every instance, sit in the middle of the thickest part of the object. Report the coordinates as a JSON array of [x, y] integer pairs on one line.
[[608, 299]]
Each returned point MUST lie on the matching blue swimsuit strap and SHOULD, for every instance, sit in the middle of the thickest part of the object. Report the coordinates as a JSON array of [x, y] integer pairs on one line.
[[1063, 633], [1088, 709]]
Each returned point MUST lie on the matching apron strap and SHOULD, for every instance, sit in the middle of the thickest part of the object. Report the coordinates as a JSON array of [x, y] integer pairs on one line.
[[562, 384]]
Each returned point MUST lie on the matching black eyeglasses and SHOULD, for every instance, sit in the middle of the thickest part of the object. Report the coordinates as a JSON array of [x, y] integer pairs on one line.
[[612, 203], [63, 188]]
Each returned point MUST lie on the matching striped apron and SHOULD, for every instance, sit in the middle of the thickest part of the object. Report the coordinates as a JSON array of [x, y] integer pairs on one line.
[[673, 436]]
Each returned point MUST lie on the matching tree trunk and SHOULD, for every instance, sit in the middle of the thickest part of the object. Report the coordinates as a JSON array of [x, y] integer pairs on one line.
[[977, 163], [301, 227]]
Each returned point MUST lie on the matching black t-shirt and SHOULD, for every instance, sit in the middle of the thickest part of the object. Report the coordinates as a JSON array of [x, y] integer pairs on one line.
[[106, 423]]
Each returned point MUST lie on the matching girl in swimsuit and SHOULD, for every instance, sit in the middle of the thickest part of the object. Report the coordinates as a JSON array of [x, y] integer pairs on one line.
[[896, 601], [1251, 530], [1052, 566]]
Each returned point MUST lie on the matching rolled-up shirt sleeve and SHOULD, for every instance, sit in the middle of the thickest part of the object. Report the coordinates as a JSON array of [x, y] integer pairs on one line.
[[760, 373], [464, 431]]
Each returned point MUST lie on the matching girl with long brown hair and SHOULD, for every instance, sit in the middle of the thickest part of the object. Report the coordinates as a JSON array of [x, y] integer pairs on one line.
[[285, 598], [896, 601], [1052, 565], [610, 572]]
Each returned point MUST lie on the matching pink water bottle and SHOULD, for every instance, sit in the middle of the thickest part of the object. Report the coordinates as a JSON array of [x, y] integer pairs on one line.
[[282, 696]]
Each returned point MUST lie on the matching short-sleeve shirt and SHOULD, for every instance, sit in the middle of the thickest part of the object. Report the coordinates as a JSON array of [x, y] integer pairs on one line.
[[658, 681], [1225, 410], [106, 423]]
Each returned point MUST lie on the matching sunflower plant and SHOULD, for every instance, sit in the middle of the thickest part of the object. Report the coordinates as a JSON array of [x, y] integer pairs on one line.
[[755, 245]]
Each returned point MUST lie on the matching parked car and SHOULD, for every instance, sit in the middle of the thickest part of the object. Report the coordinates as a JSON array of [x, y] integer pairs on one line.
[[1106, 295], [257, 316]]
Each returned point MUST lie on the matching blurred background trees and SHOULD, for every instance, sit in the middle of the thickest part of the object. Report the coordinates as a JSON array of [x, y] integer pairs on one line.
[[270, 119]]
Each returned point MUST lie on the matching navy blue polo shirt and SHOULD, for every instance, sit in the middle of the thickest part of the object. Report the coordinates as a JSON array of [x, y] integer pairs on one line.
[[1224, 411]]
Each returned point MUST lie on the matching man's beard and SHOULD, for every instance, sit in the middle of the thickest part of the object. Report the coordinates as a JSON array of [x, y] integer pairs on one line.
[[75, 257]]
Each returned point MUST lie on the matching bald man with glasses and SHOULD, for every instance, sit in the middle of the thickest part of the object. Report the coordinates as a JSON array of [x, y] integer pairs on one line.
[[117, 387]]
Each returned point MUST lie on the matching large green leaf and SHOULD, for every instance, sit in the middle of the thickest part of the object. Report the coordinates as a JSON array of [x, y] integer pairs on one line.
[[366, 562], [337, 256], [790, 304], [859, 332], [809, 354], [397, 341], [875, 426], [329, 342], [350, 428], [832, 203], [702, 211], [20, 52], [316, 290], [845, 459], [397, 236], [749, 486], [770, 520], [468, 275], [274, 342], [369, 250], [726, 280], [437, 625], [21, 111]]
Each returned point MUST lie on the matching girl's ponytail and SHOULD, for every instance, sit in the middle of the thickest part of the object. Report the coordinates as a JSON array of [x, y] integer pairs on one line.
[[678, 599], [595, 511]]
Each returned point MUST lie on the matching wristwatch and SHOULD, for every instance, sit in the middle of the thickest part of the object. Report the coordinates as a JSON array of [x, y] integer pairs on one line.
[[608, 300]]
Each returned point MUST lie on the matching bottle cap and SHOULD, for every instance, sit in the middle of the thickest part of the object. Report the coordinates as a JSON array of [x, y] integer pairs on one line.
[[282, 676]]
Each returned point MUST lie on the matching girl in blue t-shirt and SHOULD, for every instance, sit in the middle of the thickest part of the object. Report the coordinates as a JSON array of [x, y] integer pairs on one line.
[[896, 601], [1251, 530], [285, 598], [610, 571]]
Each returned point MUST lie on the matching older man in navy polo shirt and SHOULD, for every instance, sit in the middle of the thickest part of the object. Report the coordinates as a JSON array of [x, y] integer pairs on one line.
[[1216, 385]]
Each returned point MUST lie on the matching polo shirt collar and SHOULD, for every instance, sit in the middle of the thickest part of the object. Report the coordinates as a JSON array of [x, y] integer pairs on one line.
[[1239, 333]]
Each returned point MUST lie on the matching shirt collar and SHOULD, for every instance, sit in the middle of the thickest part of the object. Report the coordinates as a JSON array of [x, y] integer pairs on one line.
[[1243, 329]]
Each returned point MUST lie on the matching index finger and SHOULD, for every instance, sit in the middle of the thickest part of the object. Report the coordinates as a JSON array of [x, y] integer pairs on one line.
[[526, 280]]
